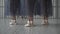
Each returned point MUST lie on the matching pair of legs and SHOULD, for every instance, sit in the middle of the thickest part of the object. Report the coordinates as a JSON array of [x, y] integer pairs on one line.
[[14, 8], [43, 4]]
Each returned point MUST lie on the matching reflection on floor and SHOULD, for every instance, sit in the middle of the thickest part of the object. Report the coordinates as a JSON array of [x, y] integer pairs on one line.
[[5, 28]]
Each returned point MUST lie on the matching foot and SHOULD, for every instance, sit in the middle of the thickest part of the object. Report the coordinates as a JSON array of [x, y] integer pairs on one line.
[[29, 24], [12, 22], [44, 22]]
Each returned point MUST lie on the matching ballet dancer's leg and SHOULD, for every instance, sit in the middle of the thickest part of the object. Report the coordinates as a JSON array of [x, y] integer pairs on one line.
[[30, 12], [13, 10], [45, 13]]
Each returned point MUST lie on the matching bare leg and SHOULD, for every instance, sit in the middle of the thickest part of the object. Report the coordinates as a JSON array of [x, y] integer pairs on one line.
[[45, 20], [30, 21]]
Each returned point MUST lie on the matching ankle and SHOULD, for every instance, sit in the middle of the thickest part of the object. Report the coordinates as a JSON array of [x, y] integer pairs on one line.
[[30, 22], [13, 21], [46, 21]]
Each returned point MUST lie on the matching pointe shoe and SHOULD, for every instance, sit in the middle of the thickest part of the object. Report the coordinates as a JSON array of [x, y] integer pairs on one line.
[[12, 22], [44, 22], [29, 23]]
